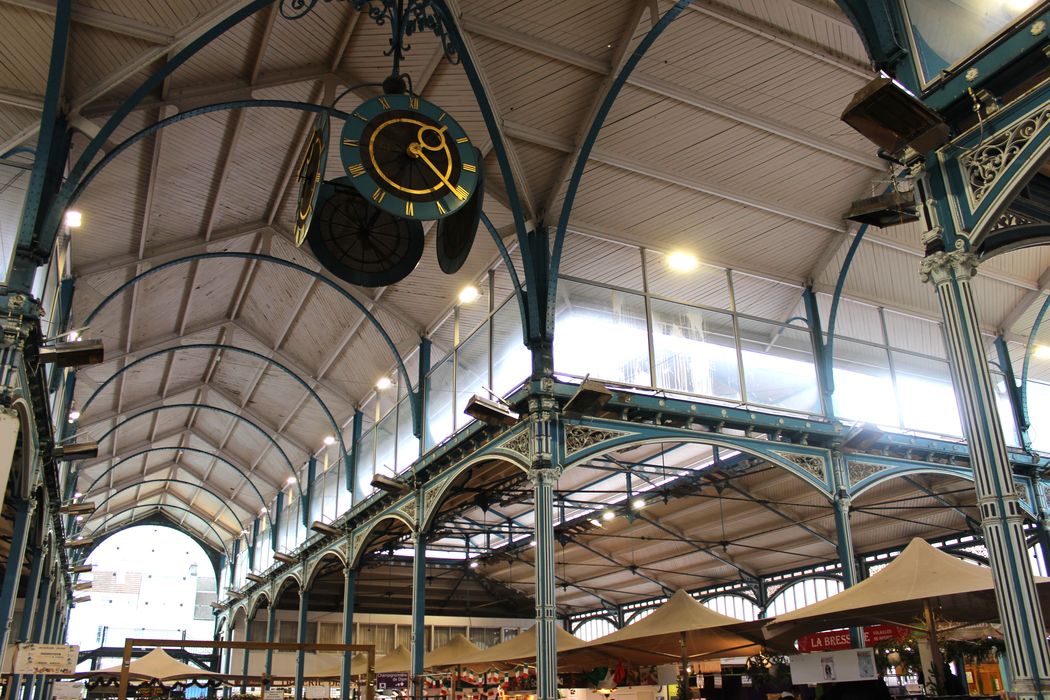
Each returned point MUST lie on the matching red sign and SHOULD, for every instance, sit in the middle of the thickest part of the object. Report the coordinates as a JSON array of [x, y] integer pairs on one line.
[[840, 639]]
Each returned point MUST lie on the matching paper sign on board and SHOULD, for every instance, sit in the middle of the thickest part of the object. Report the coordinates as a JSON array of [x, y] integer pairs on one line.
[[46, 658]]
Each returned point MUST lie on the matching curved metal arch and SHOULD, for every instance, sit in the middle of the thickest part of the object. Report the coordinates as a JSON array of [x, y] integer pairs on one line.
[[365, 535], [256, 602], [488, 115], [581, 623], [310, 572], [133, 506], [1011, 238], [730, 594], [229, 348], [195, 450], [283, 582], [147, 86], [439, 492], [242, 609], [204, 406], [588, 144], [414, 396], [1029, 349], [887, 474], [189, 114], [795, 581], [219, 498], [705, 439]]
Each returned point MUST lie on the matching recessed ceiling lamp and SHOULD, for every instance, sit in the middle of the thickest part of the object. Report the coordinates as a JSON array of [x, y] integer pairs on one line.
[[469, 294], [74, 218], [608, 514], [291, 480], [383, 383], [474, 564], [328, 440], [1042, 352], [638, 503], [681, 261], [74, 415]]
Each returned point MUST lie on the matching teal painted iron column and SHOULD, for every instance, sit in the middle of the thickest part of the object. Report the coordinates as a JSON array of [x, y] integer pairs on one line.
[[271, 631], [300, 655], [419, 606], [45, 604], [227, 660], [29, 611], [1001, 515], [840, 502], [244, 654], [9, 592], [349, 588], [544, 474]]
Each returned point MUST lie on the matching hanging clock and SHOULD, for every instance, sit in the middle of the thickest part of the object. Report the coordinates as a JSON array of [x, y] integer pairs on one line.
[[455, 233], [311, 173], [409, 157], [361, 243]]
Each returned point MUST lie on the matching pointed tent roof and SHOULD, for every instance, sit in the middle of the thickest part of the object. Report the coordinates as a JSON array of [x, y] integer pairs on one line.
[[520, 648], [157, 664], [453, 653], [658, 636], [397, 661], [960, 591]]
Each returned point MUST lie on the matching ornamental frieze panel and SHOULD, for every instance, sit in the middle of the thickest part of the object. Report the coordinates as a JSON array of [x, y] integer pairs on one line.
[[581, 437], [858, 471], [519, 444], [809, 463], [985, 163], [409, 509], [1021, 489], [432, 496]]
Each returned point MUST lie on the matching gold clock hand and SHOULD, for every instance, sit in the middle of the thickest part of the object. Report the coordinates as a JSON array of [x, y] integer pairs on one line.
[[416, 151], [423, 142]]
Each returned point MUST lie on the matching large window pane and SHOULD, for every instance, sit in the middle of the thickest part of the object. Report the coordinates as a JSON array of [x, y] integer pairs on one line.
[[407, 442], [1038, 400], [511, 361], [365, 464], [863, 386], [472, 371], [439, 404], [778, 366], [695, 350], [1006, 410], [927, 399], [386, 441], [601, 332]]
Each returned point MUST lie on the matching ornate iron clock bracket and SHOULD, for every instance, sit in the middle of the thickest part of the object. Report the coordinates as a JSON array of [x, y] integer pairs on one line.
[[405, 17]]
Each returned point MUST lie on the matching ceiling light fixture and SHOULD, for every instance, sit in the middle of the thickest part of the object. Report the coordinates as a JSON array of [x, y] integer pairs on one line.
[[383, 383], [595, 522], [385, 483], [82, 599], [329, 440], [85, 508], [608, 514], [255, 578], [532, 543], [74, 218], [469, 294], [474, 564], [291, 480], [73, 336], [490, 412], [638, 503], [74, 415], [1042, 352], [81, 569], [78, 354], [75, 450], [285, 558], [324, 528], [681, 261]]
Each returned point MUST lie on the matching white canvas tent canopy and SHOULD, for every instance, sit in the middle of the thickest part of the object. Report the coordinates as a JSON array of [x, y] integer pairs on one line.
[[682, 626], [156, 665], [921, 574]]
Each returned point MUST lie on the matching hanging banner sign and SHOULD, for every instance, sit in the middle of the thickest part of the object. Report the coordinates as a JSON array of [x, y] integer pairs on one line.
[[46, 658], [837, 640], [391, 681]]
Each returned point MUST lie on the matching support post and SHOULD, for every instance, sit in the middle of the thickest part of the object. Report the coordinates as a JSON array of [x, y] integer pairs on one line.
[[300, 655], [349, 588], [1001, 515], [244, 655], [844, 533], [9, 592], [419, 604], [45, 604], [271, 630], [29, 611], [546, 468]]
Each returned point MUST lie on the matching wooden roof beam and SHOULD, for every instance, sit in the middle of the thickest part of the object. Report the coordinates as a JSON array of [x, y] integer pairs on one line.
[[100, 19]]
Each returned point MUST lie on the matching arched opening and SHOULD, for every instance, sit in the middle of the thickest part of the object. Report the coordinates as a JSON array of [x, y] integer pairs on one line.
[[149, 581]]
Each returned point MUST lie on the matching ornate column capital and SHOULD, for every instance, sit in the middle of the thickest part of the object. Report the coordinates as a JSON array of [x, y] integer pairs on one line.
[[940, 265], [544, 476]]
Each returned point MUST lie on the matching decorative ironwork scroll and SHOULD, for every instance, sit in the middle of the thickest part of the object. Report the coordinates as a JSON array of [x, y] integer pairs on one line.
[[405, 17], [983, 164]]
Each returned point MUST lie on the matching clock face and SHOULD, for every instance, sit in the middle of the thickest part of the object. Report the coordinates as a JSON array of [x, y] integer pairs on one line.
[[409, 158], [311, 172]]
